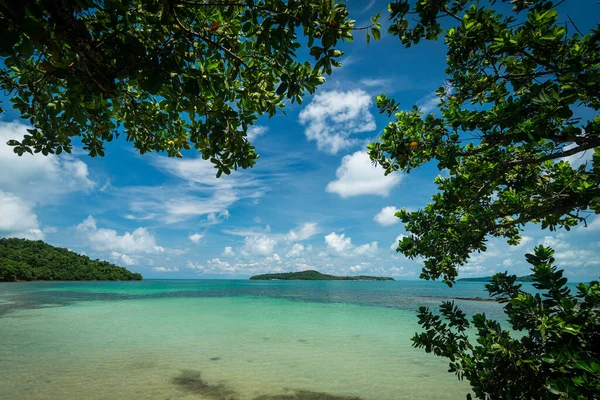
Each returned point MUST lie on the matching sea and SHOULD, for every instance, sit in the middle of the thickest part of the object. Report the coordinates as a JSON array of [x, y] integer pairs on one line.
[[225, 340]]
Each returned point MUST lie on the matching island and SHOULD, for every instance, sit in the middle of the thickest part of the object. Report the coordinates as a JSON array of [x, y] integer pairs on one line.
[[526, 278], [34, 260], [312, 275]]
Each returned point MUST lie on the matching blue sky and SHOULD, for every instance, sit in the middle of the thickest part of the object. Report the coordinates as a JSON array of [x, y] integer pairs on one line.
[[313, 201]]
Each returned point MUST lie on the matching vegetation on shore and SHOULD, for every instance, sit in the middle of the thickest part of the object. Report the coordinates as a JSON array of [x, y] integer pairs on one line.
[[312, 275], [28, 260]]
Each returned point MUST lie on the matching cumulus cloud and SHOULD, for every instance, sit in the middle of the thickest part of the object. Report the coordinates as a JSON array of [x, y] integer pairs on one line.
[[387, 216], [332, 117], [343, 245], [196, 237], [296, 251], [394, 245], [337, 242], [121, 258], [554, 242], [366, 249], [17, 219], [357, 268], [592, 226], [37, 178], [578, 159], [577, 258], [228, 252], [195, 267], [165, 269], [136, 242], [524, 241], [259, 245], [358, 176], [509, 262], [305, 231], [431, 101], [256, 131]]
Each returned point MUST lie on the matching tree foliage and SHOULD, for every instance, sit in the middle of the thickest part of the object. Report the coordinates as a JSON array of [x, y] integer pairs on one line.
[[168, 74], [507, 125], [558, 354], [27, 260]]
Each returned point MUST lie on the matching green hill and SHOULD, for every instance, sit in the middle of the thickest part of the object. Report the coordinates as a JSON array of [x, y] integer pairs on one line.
[[28, 260], [311, 275]]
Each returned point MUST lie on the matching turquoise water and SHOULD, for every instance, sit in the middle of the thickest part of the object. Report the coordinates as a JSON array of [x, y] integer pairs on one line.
[[223, 339]]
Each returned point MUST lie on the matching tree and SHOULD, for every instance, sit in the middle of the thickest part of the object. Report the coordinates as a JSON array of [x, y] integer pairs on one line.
[[558, 357], [507, 124], [169, 74]]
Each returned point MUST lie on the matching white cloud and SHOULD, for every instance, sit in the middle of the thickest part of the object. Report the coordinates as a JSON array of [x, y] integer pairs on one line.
[[357, 268], [196, 237], [163, 269], [195, 267], [215, 218], [578, 159], [296, 251], [394, 245], [339, 243], [17, 219], [554, 242], [228, 252], [428, 103], [38, 178], [387, 216], [577, 258], [303, 232], [259, 245], [256, 131], [431, 101], [358, 176], [332, 117], [366, 249], [121, 258], [591, 226], [523, 242], [509, 262], [343, 245], [138, 241], [373, 83], [202, 194]]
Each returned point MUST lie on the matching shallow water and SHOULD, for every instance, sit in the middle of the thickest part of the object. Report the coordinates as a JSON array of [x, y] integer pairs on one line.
[[219, 339]]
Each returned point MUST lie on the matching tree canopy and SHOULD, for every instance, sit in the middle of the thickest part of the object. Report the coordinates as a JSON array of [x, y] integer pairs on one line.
[[28, 260], [168, 74], [510, 117]]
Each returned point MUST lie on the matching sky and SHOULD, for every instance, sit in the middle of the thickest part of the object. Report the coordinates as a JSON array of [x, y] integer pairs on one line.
[[313, 201]]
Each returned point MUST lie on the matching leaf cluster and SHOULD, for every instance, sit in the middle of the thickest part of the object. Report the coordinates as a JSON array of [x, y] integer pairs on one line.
[[553, 351], [170, 75], [507, 135]]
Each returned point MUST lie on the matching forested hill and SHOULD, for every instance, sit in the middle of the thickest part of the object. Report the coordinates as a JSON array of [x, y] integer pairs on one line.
[[311, 275], [28, 260]]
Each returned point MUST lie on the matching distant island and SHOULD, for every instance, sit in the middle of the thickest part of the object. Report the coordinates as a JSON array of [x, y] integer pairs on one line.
[[526, 278], [311, 275], [29, 260]]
